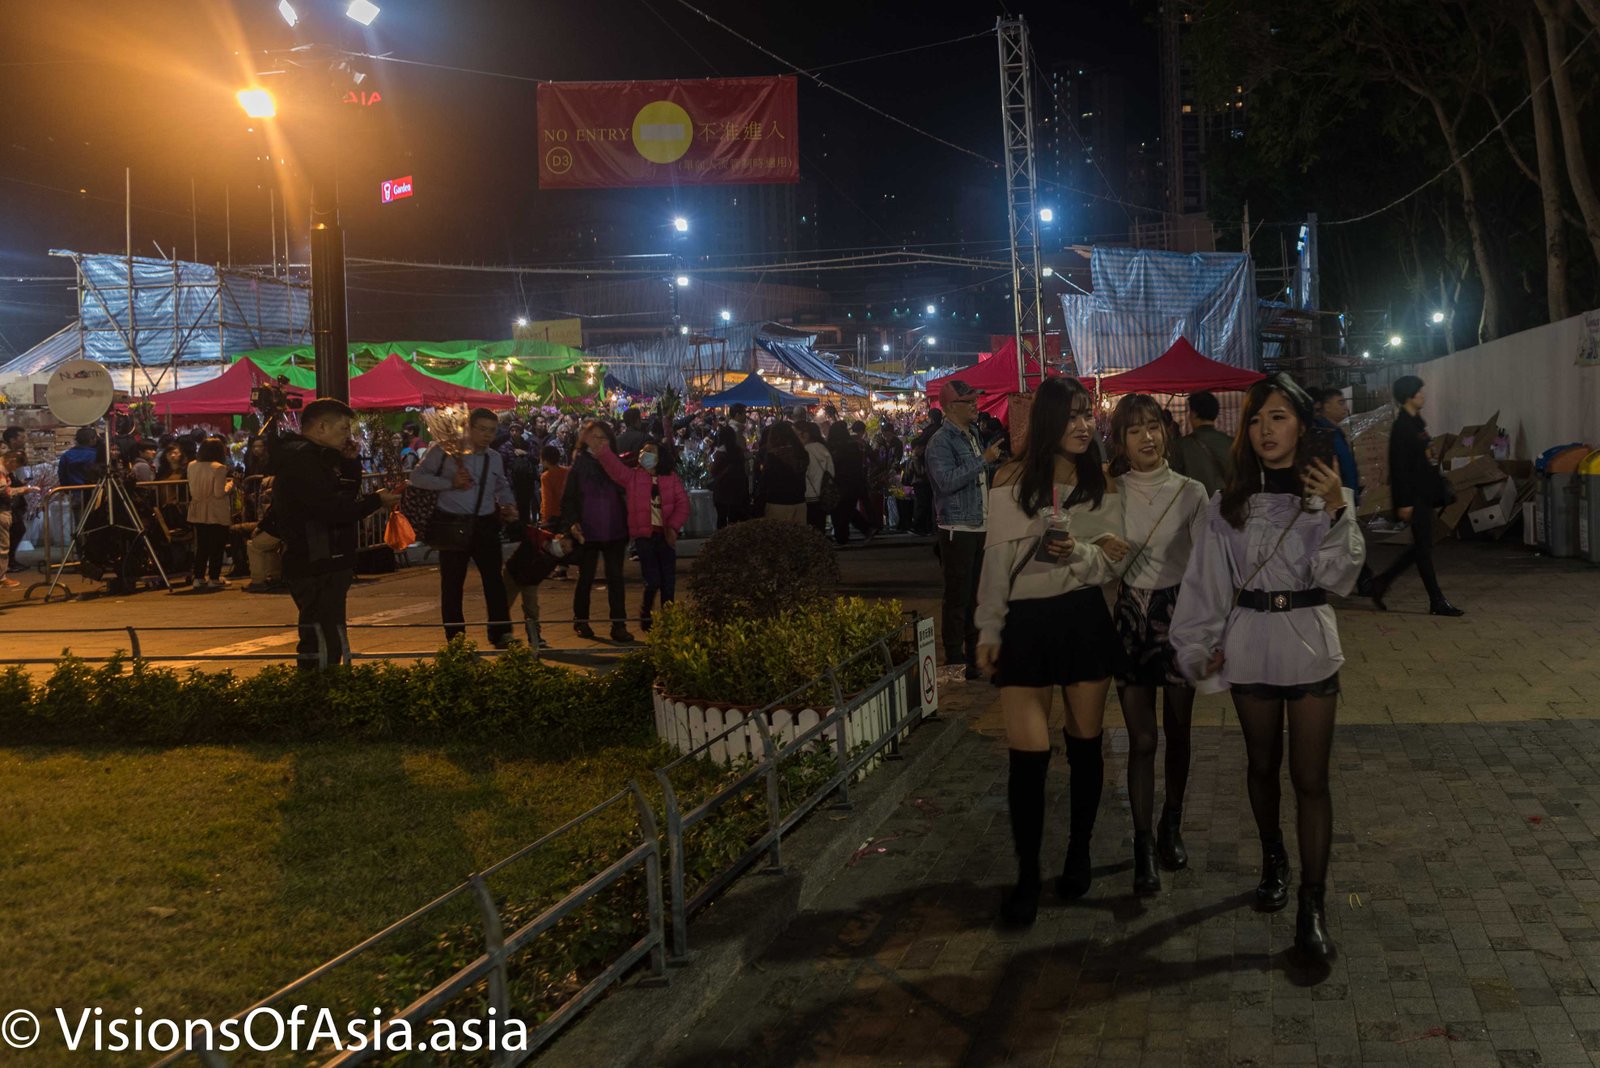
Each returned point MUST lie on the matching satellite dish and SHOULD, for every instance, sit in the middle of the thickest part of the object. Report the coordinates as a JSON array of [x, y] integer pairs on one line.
[[80, 392]]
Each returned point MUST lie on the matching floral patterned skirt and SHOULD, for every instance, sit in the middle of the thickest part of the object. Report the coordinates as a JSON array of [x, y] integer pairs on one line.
[[1143, 618]]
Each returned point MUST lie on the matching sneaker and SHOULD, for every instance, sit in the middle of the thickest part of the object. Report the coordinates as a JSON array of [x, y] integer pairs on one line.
[[506, 643], [9, 583]]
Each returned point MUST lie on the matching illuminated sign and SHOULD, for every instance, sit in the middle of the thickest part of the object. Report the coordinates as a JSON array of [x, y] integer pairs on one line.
[[362, 98], [395, 189]]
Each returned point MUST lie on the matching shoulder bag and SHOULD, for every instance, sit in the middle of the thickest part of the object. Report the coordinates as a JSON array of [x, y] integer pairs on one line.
[[418, 504]]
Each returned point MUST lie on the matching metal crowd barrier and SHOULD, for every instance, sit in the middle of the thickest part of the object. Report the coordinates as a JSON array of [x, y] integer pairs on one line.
[[489, 969], [770, 842]]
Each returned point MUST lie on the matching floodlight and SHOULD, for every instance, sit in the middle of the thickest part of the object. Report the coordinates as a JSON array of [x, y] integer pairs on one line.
[[363, 11], [257, 103]]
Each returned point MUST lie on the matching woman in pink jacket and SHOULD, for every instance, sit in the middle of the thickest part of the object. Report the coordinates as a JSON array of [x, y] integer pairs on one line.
[[658, 507]]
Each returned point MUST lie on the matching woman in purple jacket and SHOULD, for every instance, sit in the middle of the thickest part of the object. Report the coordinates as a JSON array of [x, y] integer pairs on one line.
[[595, 510], [1253, 616]]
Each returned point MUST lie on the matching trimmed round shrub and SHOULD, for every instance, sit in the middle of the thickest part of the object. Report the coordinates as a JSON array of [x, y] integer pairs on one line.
[[762, 568]]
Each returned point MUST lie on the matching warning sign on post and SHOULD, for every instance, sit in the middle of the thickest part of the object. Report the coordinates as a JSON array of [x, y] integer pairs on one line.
[[927, 667]]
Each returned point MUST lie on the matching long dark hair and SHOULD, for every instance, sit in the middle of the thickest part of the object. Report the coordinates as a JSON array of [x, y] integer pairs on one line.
[[1131, 411], [1048, 419], [1248, 475], [600, 424]]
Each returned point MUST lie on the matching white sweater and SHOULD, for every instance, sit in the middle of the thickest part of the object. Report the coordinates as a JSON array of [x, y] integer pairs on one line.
[[1163, 517], [1012, 534]]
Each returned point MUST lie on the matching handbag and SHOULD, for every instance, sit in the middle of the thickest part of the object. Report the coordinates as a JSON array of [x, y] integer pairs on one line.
[[449, 532], [418, 504], [828, 495]]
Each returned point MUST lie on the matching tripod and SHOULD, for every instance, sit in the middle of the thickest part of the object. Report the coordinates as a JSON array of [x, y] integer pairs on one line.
[[110, 491]]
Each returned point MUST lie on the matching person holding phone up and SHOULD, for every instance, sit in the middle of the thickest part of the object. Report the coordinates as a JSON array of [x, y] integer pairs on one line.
[[1253, 615], [1043, 624]]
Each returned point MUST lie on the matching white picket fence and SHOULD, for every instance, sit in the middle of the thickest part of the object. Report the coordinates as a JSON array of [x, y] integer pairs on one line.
[[687, 725]]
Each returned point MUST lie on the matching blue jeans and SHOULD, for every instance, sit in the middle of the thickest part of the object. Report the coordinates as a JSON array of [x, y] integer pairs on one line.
[[659, 562]]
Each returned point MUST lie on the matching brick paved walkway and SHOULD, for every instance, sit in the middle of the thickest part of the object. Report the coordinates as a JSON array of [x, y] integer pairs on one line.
[[1463, 892]]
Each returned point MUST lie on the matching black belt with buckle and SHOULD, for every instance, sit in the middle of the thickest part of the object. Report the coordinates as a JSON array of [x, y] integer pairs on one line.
[[1281, 600]]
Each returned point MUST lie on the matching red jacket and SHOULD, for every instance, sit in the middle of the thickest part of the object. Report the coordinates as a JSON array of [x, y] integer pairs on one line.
[[636, 482]]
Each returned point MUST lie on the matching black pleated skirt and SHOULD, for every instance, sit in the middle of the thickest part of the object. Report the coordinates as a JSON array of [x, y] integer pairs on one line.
[[1059, 641]]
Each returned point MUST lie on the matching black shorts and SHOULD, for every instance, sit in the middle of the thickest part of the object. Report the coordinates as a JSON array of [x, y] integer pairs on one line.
[[1328, 687], [1059, 641]]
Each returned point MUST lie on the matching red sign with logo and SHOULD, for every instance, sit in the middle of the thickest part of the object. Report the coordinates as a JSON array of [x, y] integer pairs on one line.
[[392, 189], [715, 131]]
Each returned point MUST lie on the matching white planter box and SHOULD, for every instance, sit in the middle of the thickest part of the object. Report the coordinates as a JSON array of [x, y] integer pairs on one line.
[[687, 724]]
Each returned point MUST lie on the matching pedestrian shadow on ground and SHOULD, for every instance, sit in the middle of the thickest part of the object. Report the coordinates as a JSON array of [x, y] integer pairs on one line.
[[948, 1011]]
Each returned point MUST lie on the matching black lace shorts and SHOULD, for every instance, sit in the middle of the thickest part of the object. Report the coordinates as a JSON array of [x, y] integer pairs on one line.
[[1328, 687]]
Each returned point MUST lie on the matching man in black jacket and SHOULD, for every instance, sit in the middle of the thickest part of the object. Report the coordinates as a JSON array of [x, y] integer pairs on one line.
[[1416, 488], [315, 509]]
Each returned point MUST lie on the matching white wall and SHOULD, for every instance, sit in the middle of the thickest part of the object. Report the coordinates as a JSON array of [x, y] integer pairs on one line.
[[1532, 379]]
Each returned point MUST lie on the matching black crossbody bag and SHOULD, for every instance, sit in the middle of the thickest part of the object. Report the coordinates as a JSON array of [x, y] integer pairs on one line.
[[448, 532]]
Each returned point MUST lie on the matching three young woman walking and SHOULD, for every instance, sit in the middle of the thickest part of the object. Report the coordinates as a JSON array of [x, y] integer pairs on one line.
[[1227, 593]]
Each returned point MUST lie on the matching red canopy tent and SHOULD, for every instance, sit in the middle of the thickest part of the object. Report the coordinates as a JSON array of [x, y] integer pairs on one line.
[[1181, 369], [996, 374], [227, 394], [394, 384]]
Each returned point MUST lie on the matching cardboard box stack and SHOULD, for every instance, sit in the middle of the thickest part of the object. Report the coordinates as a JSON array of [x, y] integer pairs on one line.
[[1489, 492]]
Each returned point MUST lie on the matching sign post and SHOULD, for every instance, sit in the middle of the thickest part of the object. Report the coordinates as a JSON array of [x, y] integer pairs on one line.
[[928, 668]]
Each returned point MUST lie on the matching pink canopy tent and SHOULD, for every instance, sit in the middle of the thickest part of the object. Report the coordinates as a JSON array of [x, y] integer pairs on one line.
[[395, 384], [1181, 369], [227, 394]]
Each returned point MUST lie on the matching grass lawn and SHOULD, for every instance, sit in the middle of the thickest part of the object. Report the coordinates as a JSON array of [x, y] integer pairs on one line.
[[271, 859]]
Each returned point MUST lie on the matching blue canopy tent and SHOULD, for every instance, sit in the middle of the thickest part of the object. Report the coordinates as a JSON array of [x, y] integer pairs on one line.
[[753, 392]]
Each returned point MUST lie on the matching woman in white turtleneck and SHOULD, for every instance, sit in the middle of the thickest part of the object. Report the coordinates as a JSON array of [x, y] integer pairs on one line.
[[1163, 516]]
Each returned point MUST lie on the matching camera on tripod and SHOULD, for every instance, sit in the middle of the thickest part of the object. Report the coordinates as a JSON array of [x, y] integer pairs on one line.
[[272, 399]]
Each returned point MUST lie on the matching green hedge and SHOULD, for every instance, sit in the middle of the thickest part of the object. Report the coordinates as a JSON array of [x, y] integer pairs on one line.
[[514, 699], [757, 661]]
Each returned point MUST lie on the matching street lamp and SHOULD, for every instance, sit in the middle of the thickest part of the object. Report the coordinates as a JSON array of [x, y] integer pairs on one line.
[[1047, 215], [930, 309], [683, 330], [1395, 341], [1048, 271], [1438, 317], [682, 280], [1366, 354], [726, 315], [287, 11], [680, 224], [363, 11], [257, 103], [886, 348], [932, 341], [522, 321]]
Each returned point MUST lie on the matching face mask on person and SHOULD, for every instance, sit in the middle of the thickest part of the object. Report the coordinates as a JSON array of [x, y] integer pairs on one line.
[[648, 461]]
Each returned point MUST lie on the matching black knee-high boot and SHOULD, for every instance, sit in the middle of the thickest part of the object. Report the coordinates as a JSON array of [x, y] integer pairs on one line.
[[1086, 758], [1025, 797]]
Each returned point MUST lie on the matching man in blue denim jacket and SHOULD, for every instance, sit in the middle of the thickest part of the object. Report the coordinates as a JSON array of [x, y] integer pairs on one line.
[[959, 468]]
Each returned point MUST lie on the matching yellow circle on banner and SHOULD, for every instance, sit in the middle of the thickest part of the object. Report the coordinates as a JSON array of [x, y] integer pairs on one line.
[[662, 132]]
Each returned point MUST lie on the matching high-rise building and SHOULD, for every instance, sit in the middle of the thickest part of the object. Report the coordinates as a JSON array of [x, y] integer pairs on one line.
[[1083, 150], [1189, 126]]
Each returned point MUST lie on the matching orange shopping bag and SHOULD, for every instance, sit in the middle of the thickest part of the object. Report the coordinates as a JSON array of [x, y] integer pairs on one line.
[[398, 534]]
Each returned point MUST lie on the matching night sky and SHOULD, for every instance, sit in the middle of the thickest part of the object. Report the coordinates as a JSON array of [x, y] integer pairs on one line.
[[92, 88]]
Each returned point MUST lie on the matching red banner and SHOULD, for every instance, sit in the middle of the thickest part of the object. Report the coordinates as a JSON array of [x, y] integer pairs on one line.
[[716, 131]]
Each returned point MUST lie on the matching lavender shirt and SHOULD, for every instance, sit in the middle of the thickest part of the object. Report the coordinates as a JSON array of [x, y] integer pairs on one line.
[[1277, 648]]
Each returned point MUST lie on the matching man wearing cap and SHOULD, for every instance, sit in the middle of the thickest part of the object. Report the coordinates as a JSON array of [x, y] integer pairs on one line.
[[958, 469]]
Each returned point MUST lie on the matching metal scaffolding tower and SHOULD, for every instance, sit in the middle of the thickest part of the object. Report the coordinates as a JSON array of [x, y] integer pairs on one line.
[[1016, 118]]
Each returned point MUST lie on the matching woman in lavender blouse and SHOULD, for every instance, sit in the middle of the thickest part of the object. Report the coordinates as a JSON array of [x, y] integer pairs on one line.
[[1253, 615]]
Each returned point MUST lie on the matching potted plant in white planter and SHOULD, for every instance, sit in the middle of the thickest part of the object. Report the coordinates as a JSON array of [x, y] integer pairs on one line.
[[763, 620]]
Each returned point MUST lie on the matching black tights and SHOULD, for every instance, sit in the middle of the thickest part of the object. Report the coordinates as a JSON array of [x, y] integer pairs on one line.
[[1310, 746], [1139, 713]]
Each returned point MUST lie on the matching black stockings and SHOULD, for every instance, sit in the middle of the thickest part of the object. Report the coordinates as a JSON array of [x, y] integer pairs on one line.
[[1139, 713], [1310, 747]]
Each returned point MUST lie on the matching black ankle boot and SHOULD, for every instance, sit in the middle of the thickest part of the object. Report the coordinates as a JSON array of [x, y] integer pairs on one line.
[[1146, 879], [1169, 840], [1273, 892], [1311, 924]]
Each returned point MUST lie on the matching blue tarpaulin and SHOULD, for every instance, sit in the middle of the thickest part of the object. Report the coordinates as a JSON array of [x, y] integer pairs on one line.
[[1144, 300], [804, 361], [753, 392]]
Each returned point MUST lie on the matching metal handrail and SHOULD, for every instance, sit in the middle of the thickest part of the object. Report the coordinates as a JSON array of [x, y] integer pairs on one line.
[[678, 822], [500, 950]]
